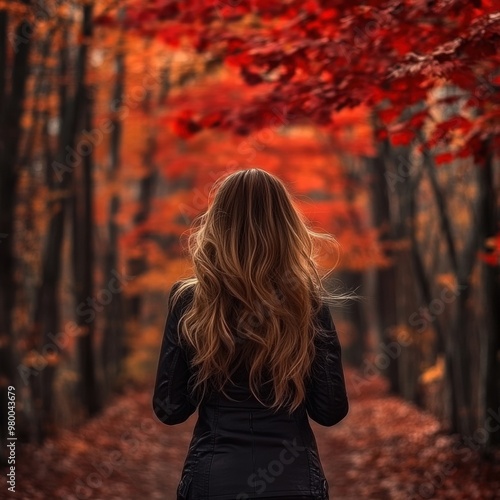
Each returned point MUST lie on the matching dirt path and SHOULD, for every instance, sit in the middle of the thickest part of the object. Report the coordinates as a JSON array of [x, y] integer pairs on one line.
[[384, 449]]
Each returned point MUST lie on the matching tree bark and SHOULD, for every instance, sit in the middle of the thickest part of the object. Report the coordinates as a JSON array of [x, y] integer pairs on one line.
[[83, 247], [489, 217], [385, 278], [11, 110], [113, 340]]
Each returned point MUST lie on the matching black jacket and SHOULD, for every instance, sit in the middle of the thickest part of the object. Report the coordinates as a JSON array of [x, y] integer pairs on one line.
[[241, 449]]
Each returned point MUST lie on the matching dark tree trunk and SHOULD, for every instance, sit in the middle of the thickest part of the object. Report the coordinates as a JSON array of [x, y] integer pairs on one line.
[[113, 341], [463, 384], [46, 321], [83, 248], [406, 355], [453, 371], [11, 110], [489, 217], [4, 23], [385, 278]]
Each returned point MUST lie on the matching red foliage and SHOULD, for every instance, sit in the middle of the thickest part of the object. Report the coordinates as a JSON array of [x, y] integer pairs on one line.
[[321, 57], [306, 62]]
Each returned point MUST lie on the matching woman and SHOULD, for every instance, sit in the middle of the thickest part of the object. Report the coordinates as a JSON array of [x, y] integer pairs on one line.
[[251, 343]]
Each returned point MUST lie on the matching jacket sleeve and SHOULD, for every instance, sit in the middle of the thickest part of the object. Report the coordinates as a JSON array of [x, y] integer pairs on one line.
[[171, 401], [326, 395]]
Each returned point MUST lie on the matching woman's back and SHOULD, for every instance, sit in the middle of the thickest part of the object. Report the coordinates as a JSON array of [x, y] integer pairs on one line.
[[250, 342], [242, 449]]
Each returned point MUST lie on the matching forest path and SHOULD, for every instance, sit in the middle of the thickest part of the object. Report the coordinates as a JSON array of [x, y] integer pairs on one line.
[[384, 449]]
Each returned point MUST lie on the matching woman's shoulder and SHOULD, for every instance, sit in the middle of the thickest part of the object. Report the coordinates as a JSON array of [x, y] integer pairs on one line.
[[186, 285], [181, 292]]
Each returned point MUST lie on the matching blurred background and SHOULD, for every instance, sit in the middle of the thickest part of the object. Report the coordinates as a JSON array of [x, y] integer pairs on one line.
[[116, 118]]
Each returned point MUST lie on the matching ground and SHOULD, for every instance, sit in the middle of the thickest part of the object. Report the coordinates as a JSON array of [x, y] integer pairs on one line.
[[384, 449]]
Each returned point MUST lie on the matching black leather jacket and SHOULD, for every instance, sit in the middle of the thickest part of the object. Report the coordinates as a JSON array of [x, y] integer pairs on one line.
[[241, 449]]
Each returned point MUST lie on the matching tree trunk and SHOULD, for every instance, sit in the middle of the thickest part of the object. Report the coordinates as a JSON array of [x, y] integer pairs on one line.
[[385, 278], [113, 341], [489, 216], [407, 355], [138, 265], [83, 253], [11, 110]]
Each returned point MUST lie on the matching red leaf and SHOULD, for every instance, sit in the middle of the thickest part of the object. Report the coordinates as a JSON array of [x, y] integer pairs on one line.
[[440, 133], [401, 137], [184, 126], [402, 44], [234, 43], [444, 158], [239, 60], [491, 259], [328, 14], [389, 115], [464, 79], [418, 119]]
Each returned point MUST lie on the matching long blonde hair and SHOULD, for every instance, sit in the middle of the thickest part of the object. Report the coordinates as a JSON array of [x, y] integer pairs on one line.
[[257, 288]]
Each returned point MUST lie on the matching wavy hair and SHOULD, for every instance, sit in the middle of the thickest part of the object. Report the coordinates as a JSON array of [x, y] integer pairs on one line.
[[257, 288]]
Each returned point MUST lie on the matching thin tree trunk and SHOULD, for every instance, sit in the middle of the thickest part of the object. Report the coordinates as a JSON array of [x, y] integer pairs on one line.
[[83, 254], [4, 22], [385, 278], [113, 342], [402, 198], [11, 110], [453, 370], [138, 265], [46, 320], [489, 215], [458, 350]]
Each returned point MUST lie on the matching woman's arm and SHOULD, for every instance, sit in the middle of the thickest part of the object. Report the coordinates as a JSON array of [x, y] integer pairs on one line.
[[326, 398], [171, 402]]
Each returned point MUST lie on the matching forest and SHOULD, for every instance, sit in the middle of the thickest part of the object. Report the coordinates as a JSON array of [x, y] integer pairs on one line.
[[117, 117]]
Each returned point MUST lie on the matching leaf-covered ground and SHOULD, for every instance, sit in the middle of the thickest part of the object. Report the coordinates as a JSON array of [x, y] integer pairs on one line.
[[384, 449]]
